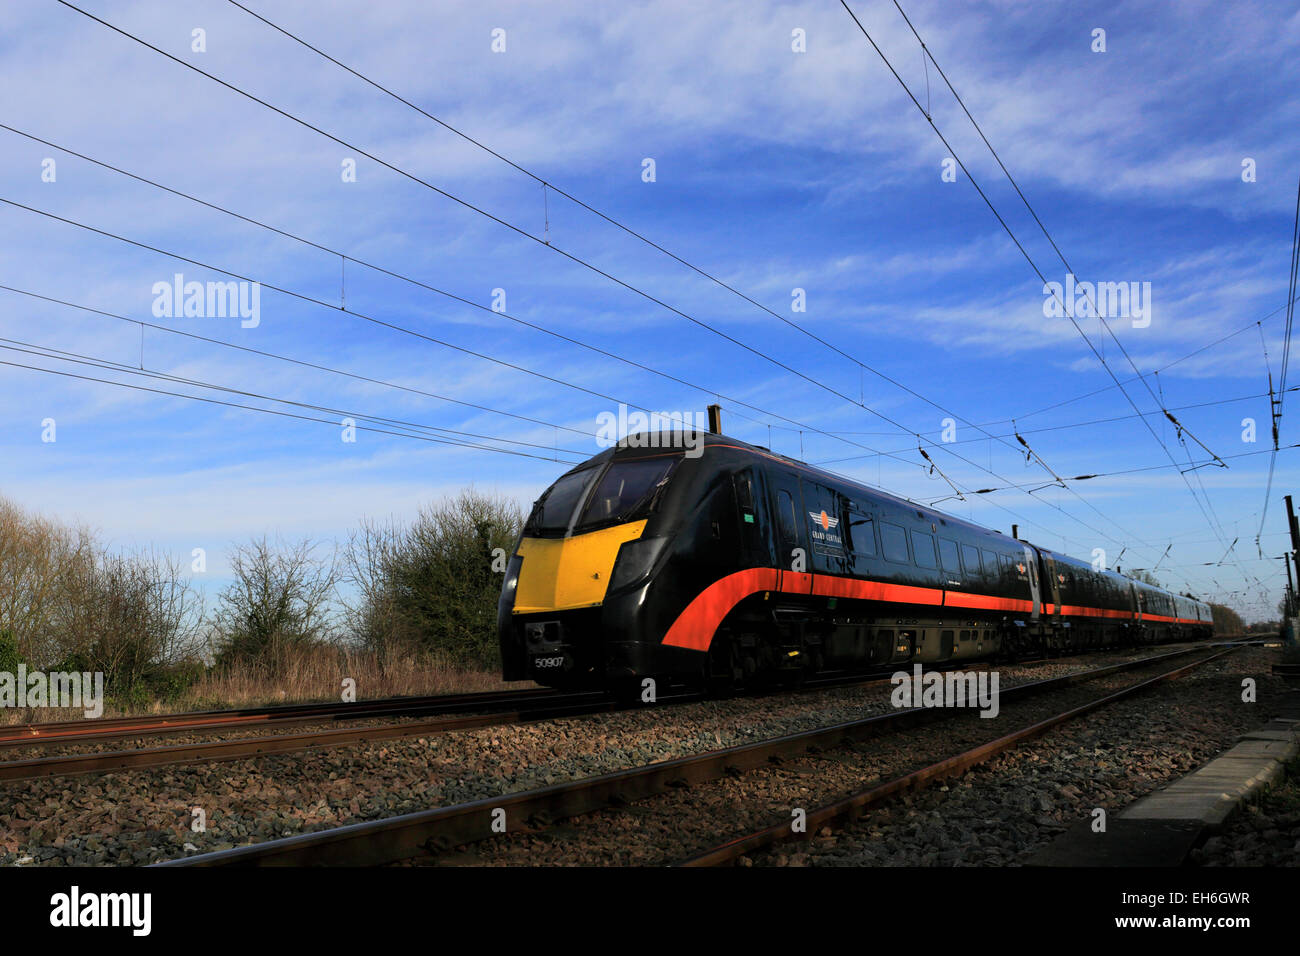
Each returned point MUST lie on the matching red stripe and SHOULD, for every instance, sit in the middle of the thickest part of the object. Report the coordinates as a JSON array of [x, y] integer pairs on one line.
[[986, 602], [827, 585], [1076, 610], [696, 625]]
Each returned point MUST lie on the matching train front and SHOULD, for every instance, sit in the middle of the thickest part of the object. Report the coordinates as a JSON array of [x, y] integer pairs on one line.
[[570, 612]]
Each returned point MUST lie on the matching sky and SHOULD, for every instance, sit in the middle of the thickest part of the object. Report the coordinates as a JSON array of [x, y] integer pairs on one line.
[[815, 259]]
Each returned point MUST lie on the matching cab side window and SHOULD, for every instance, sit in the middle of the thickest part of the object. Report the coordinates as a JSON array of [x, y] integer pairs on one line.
[[785, 516]]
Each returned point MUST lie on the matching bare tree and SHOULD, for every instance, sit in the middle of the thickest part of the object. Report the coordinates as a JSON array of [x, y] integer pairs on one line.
[[369, 611], [279, 601], [35, 554], [432, 586], [126, 615]]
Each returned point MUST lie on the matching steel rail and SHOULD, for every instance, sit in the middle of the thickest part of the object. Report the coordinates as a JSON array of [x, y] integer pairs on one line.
[[402, 837], [542, 707], [217, 750], [855, 804], [75, 731]]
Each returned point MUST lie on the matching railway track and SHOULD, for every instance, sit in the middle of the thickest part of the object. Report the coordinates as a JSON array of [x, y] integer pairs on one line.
[[497, 709], [855, 804], [492, 709], [432, 833], [80, 731], [266, 744]]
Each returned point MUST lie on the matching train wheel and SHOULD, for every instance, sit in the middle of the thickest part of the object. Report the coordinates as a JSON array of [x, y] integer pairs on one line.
[[723, 673]]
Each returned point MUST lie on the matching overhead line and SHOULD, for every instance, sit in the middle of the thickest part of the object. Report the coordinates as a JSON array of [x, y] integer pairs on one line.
[[546, 184], [1068, 312], [524, 233], [269, 411], [46, 351], [301, 362], [397, 275]]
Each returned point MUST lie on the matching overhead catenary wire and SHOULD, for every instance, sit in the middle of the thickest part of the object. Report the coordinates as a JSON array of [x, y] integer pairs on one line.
[[625, 228], [301, 362], [1068, 312], [1255, 324], [1110, 420], [574, 258], [46, 351], [380, 322], [269, 411], [1286, 358]]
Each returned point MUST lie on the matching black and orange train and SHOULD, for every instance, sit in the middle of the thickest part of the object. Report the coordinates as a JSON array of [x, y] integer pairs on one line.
[[734, 565]]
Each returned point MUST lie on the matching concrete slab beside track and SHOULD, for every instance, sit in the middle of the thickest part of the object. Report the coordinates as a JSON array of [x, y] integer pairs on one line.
[[1162, 828]]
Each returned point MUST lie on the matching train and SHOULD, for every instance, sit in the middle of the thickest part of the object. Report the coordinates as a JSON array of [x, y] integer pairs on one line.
[[722, 564]]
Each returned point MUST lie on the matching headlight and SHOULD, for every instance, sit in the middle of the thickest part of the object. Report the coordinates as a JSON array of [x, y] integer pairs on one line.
[[634, 561], [512, 577]]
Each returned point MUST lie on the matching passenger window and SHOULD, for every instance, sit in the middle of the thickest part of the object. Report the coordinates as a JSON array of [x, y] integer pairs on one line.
[[923, 548], [971, 558], [990, 562], [893, 540], [948, 556], [862, 534]]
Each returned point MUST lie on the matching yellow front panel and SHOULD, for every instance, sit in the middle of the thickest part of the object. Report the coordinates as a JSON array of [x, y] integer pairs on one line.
[[560, 573]]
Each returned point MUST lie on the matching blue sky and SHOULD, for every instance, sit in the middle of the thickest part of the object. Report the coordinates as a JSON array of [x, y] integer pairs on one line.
[[775, 170]]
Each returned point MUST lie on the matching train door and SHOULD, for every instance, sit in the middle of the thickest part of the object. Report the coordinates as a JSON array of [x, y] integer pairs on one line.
[[1031, 563], [790, 534], [1053, 585], [823, 523], [752, 518]]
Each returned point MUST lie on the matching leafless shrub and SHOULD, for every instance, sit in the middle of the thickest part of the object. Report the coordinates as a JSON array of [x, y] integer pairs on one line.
[[279, 601], [34, 555], [431, 587], [125, 615]]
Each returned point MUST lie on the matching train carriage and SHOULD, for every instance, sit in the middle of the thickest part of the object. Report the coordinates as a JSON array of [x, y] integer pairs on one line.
[[718, 561]]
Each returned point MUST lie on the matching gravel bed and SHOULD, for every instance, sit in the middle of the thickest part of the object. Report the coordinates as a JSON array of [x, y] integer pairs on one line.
[[1003, 811], [144, 816], [1264, 833], [179, 737], [669, 826]]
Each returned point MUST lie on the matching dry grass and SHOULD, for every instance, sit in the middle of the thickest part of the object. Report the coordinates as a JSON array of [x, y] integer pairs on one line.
[[319, 675], [308, 676]]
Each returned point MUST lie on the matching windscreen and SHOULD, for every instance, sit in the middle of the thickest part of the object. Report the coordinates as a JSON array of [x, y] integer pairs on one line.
[[624, 489], [554, 510]]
